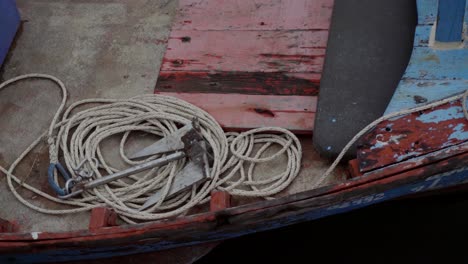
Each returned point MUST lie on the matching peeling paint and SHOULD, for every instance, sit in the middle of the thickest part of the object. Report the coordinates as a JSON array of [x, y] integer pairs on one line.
[[459, 132], [393, 139], [408, 155], [440, 115]]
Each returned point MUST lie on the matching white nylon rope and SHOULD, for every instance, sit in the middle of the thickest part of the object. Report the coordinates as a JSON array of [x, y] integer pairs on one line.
[[76, 136]]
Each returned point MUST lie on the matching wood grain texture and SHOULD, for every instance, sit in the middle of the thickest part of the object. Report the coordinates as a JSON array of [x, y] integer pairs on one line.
[[246, 51], [266, 47], [253, 15], [240, 111]]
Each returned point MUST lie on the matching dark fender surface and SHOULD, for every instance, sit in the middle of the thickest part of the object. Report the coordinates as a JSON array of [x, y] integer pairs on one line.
[[368, 49]]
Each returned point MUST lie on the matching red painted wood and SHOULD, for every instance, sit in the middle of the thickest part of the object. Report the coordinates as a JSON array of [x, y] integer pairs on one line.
[[8, 226], [219, 200], [246, 51], [412, 135], [102, 217], [277, 83], [264, 47], [353, 168], [241, 111], [253, 15]]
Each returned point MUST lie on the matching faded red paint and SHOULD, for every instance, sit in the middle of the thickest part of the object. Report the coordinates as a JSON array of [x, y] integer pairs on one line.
[[219, 200], [266, 47], [353, 168], [8, 226], [245, 51], [102, 217], [268, 15], [242, 111], [409, 136]]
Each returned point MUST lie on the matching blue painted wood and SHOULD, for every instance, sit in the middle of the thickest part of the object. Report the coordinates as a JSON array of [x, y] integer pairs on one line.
[[444, 180], [427, 11], [412, 91], [9, 22], [450, 20], [421, 36], [427, 63], [434, 72]]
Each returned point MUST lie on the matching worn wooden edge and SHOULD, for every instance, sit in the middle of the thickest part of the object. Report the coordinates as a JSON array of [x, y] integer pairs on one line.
[[230, 219]]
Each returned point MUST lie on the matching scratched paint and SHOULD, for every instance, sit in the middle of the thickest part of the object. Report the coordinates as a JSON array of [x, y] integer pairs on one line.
[[393, 139], [459, 133], [425, 131], [441, 115], [408, 155]]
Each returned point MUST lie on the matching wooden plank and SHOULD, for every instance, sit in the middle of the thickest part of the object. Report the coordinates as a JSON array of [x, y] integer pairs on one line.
[[241, 111], [246, 51], [274, 83], [450, 21], [438, 64], [253, 15]]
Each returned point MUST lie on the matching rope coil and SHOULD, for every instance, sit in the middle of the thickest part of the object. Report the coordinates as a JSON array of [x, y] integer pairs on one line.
[[76, 136]]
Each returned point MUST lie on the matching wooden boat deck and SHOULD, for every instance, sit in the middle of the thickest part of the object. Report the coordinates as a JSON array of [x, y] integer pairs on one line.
[[88, 75], [103, 62]]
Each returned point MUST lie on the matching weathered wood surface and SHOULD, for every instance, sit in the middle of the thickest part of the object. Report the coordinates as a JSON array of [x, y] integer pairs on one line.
[[241, 111], [266, 47], [245, 51], [412, 135], [253, 15]]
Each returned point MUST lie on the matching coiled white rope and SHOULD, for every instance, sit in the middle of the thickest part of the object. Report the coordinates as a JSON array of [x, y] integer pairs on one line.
[[77, 137]]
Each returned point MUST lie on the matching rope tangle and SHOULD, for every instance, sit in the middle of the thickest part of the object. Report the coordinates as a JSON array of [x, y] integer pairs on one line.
[[76, 136]]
